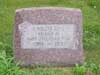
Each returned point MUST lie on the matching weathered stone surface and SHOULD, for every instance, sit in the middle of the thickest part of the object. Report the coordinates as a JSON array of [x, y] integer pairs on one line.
[[48, 36]]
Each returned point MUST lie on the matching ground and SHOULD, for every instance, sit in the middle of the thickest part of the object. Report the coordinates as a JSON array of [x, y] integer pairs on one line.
[[91, 28]]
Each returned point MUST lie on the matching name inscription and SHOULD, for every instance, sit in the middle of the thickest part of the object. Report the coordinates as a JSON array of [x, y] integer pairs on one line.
[[47, 36]]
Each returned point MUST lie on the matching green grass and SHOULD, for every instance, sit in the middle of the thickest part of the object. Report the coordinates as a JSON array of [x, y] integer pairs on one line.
[[91, 28]]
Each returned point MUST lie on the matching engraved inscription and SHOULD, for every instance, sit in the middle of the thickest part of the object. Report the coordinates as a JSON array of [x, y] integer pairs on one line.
[[47, 36]]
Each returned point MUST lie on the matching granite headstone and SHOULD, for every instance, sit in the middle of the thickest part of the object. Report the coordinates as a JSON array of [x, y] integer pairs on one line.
[[48, 36]]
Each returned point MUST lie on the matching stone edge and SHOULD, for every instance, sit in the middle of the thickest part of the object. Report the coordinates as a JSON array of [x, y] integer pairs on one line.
[[58, 8]]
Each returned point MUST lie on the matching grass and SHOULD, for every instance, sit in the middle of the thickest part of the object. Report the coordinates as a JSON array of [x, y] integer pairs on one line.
[[91, 29]]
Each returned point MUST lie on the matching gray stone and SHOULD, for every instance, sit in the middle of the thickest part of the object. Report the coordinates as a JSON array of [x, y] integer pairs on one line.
[[48, 36]]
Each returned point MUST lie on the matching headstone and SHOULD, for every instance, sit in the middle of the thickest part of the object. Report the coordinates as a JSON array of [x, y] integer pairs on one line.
[[48, 36]]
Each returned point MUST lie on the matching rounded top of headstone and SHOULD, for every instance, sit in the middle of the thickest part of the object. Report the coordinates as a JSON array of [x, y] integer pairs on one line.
[[46, 8]]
